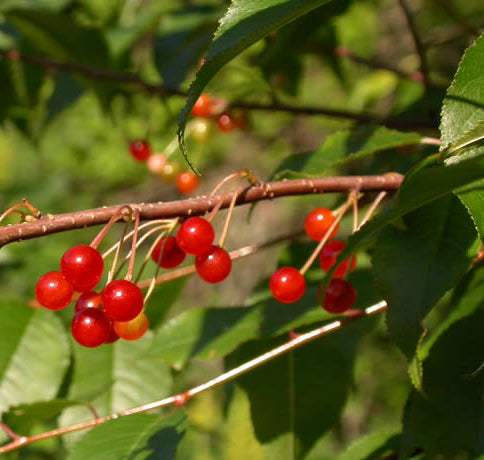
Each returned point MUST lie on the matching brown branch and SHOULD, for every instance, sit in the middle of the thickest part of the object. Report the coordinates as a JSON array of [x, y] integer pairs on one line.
[[49, 224], [99, 74], [417, 41], [180, 399]]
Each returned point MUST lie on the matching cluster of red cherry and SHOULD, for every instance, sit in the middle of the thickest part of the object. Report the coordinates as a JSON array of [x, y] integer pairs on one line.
[[186, 182], [228, 120], [116, 312], [288, 284]]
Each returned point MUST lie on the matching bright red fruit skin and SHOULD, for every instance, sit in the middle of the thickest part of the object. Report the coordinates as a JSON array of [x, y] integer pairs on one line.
[[317, 223], [134, 329], [112, 336], [83, 267], [203, 107], [195, 236], [88, 300], [90, 327], [140, 150], [122, 300], [328, 257], [172, 254], [53, 291], [214, 265], [287, 285], [339, 297], [187, 182]]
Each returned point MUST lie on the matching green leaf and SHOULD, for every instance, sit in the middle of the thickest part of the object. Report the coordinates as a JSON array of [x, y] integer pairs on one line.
[[462, 125], [342, 148], [51, 5], [134, 436], [115, 377], [245, 22], [373, 446], [447, 419], [34, 354], [414, 267]]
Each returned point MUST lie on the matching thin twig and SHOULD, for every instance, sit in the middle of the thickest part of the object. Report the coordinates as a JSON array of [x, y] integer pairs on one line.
[[47, 225], [181, 398]]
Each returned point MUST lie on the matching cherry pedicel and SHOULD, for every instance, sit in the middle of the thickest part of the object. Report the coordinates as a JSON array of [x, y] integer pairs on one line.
[[195, 236], [287, 285], [140, 150], [203, 107], [90, 327], [83, 267], [214, 265], [53, 291], [122, 300], [88, 300], [187, 182], [329, 255], [339, 297], [132, 330], [172, 255], [318, 222]]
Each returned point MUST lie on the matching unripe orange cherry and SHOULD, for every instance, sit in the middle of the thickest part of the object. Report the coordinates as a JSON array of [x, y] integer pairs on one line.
[[134, 329], [187, 182]]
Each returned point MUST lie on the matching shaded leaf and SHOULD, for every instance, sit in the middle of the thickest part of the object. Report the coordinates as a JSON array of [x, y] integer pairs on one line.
[[134, 436], [341, 149], [244, 23], [373, 446], [34, 354], [414, 267]]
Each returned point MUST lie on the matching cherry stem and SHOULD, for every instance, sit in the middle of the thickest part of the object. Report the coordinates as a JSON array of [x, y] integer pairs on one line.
[[372, 209], [225, 230], [119, 214], [355, 215], [132, 260], [9, 432], [25, 204], [180, 399], [340, 213], [116, 255], [430, 141]]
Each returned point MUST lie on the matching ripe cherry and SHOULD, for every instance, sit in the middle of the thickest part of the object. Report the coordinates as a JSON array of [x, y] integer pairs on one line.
[[339, 297], [90, 327], [287, 285], [172, 255], [122, 300], [53, 291], [140, 150], [134, 329], [318, 222], [203, 107], [226, 122], [195, 236], [112, 336], [329, 255], [156, 163], [88, 300], [187, 182], [214, 265], [83, 267]]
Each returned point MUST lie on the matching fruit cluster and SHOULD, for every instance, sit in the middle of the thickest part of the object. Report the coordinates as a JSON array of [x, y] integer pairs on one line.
[[186, 182], [116, 312], [228, 120], [288, 284]]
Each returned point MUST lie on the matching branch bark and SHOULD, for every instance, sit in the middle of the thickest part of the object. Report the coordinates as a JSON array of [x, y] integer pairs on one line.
[[48, 224]]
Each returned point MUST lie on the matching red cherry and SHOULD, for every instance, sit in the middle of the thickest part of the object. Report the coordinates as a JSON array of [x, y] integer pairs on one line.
[[172, 254], [134, 329], [195, 236], [187, 182], [53, 291], [226, 122], [287, 285], [317, 223], [90, 327], [203, 107], [112, 336], [214, 265], [329, 255], [83, 267], [88, 300], [339, 297], [140, 150], [122, 300]]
